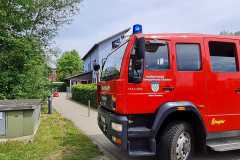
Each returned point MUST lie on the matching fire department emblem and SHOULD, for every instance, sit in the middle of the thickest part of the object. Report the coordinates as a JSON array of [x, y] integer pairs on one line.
[[155, 86]]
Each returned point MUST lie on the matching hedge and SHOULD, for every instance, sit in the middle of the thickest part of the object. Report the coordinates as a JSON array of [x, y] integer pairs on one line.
[[2, 97], [84, 92]]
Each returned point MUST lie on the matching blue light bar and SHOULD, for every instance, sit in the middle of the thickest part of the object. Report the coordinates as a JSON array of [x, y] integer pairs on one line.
[[137, 28]]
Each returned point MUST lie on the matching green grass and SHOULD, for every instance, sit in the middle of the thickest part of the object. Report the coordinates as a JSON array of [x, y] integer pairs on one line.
[[56, 139]]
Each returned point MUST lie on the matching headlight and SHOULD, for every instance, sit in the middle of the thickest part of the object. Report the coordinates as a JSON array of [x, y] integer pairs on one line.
[[117, 127]]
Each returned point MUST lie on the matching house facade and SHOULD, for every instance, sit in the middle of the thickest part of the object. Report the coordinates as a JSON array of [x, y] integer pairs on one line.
[[99, 52], [52, 75], [96, 55]]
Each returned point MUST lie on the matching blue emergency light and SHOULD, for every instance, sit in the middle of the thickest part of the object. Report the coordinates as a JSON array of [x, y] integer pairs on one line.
[[137, 28]]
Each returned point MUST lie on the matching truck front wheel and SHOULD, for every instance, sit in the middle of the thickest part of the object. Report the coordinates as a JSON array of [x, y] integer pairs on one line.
[[176, 142]]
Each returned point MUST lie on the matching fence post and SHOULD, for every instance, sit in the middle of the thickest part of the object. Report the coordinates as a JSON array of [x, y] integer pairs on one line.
[[49, 104], [89, 107]]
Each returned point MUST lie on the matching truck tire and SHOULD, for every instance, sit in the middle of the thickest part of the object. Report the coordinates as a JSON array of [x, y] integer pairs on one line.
[[176, 142]]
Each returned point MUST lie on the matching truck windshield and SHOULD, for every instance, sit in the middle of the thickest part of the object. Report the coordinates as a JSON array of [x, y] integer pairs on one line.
[[112, 63]]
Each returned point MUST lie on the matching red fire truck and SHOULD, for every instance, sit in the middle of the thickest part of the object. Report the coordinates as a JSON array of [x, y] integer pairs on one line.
[[170, 95]]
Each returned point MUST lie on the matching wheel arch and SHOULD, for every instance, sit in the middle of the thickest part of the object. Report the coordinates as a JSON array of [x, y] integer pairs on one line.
[[181, 111]]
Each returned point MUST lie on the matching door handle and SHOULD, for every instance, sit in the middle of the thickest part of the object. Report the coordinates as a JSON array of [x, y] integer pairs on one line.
[[169, 89], [237, 90]]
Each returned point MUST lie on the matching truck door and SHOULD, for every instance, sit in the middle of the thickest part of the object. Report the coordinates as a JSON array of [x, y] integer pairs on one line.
[[223, 83], [158, 82], [190, 71]]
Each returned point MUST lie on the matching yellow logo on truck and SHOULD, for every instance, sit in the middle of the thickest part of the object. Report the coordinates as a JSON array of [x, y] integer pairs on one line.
[[217, 122]]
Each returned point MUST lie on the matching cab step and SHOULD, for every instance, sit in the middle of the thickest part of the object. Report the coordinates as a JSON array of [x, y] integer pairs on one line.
[[224, 144], [141, 146]]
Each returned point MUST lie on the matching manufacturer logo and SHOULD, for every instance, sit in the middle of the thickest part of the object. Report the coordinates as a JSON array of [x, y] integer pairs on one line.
[[155, 86]]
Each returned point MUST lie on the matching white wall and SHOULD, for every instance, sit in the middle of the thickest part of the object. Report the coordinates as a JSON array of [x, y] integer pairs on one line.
[[106, 47], [86, 64], [88, 61]]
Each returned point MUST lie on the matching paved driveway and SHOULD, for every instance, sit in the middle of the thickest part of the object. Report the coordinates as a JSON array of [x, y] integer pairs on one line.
[[78, 114]]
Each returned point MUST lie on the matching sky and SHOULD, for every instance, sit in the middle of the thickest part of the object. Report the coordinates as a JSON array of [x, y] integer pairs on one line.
[[99, 19]]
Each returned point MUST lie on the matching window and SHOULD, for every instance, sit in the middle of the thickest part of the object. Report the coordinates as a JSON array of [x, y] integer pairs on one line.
[[223, 56], [188, 57], [157, 56]]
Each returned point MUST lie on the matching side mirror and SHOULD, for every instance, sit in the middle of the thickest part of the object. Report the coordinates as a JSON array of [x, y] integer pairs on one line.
[[136, 70], [140, 48], [139, 53]]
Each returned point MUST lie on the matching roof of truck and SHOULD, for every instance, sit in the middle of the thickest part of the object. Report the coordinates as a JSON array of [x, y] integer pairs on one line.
[[190, 35]]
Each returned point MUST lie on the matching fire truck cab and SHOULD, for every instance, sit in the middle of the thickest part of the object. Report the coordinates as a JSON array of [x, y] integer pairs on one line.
[[170, 95]]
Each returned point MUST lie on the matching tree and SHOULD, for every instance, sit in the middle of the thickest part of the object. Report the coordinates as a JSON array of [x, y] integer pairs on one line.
[[68, 64], [36, 18], [23, 71], [237, 33], [230, 33], [26, 29]]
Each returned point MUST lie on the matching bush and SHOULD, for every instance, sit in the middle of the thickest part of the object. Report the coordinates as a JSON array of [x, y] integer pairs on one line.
[[2, 97], [84, 92]]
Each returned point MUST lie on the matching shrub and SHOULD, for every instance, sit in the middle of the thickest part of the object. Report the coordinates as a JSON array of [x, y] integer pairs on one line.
[[2, 97], [84, 92]]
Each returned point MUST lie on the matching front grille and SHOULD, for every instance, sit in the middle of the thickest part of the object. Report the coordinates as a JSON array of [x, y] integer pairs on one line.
[[105, 125]]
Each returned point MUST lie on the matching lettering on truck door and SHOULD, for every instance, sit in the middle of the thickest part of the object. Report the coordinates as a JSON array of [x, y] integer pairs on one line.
[[158, 82]]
